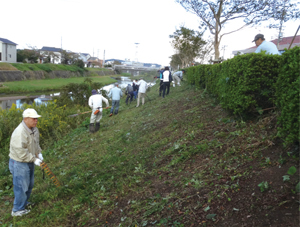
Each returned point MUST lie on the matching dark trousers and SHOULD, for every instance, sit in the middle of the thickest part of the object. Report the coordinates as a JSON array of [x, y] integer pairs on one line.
[[166, 85], [160, 87], [130, 95]]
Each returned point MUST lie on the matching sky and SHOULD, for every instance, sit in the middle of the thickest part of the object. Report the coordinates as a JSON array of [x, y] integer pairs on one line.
[[113, 26]]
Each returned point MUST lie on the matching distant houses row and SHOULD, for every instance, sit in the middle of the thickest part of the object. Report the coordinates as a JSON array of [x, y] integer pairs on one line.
[[8, 53]]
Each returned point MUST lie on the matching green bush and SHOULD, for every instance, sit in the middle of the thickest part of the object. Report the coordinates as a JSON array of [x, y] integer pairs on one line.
[[287, 95]]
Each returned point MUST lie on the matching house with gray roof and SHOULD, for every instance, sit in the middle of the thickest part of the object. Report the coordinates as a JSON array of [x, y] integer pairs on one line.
[[53, 53], [8, 51]]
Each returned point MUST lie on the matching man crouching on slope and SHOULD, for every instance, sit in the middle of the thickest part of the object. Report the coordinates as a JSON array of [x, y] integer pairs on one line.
[[95, 102], [23, 153]]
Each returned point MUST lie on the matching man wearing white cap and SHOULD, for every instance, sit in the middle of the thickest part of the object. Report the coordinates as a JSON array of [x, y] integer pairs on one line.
[[24, 153]]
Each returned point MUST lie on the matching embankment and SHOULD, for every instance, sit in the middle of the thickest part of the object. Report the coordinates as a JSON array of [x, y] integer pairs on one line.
[[8, 75]]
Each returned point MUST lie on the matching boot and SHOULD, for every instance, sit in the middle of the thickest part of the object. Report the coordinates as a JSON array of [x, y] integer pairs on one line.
[[92, 128], [97, 127]]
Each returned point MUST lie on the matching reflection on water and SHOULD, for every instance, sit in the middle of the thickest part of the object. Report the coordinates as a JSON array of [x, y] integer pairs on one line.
[[43, 99]]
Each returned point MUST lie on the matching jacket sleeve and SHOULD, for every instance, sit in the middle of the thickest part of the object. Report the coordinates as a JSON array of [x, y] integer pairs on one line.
[[91, 102], [121, 93]]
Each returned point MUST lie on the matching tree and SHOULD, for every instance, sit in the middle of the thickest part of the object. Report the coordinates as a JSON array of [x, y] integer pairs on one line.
[[187, 44], [28, 55], [68, 57], [214, 14]]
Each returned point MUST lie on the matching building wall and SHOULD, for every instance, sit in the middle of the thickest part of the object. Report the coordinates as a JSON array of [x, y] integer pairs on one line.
[[8, 53]]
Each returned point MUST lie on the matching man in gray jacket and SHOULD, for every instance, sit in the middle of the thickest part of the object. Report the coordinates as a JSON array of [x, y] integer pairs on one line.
[[115, 94], [25, 152]]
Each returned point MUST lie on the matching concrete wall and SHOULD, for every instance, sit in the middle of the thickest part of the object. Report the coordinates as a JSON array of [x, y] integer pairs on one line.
[[6, 76]]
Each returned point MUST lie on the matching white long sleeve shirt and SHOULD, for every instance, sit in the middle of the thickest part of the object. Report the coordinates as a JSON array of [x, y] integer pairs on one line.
[[95, 101], [142, 86]]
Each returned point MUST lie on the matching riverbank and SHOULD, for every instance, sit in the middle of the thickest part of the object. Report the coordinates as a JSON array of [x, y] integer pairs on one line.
[[47, 85], [177, 161]]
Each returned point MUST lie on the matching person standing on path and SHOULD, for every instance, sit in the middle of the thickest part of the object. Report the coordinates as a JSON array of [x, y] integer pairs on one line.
[[115, 94], [142, 91], [167, 79], [24, 153], [263, 45], [95, 102], [177, 77], [129, 90]]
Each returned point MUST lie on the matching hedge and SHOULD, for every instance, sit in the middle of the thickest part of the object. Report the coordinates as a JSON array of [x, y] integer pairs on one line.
[[250, 83]]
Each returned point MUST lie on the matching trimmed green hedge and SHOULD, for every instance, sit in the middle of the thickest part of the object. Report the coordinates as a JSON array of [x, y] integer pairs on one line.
[[250, 83], [287, 95]]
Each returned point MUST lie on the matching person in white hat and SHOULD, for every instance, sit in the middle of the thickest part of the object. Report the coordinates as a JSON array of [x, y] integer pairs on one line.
[[24, 153]]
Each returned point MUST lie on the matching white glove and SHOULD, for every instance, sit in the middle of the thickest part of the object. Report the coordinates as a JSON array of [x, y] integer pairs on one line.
[[40, 156], [37, 161]]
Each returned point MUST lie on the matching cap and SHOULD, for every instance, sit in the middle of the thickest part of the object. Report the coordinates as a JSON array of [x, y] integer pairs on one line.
[[116, 84], [94, 92], [30, 113], [258, 36]]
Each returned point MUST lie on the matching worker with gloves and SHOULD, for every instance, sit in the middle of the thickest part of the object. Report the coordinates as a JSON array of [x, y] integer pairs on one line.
[[24, 153], [95, 102], [177, 77], [115, 94]]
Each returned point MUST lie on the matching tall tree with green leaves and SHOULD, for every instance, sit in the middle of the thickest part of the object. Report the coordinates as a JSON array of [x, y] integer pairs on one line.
[[187, 44], [215, 14]]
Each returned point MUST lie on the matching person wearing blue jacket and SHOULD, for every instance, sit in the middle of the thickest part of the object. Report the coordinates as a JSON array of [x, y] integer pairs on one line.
[[115, 94]]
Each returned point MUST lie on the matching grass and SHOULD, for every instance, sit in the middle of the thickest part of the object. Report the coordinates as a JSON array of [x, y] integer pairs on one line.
[[7, 66], [46, 67], [177, 161], [50, 84]]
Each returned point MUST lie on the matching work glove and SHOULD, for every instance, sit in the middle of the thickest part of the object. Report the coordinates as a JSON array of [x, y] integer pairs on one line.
[[40, 156], [37, 161]]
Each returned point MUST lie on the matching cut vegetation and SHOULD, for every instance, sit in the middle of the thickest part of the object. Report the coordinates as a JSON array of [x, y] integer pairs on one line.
[[178, 161]]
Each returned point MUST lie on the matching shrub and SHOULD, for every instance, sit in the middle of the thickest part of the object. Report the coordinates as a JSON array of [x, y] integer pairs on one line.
[[287, 95]]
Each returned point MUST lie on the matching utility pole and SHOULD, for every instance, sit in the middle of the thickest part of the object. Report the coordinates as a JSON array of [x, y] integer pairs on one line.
[[223, 48], [136, 52], [280, 36]]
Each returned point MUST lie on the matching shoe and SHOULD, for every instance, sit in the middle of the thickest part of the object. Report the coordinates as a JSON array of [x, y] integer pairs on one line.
[[20, 212], [111, 114]]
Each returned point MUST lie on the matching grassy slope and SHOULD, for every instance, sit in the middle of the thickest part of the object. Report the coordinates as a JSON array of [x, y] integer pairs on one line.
[[170, 162], [6, 66]]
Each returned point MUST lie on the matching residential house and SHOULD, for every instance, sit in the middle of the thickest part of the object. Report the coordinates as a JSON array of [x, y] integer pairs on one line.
[[8, 51], [283, 44], [94, 62], [84, 57], [52, 53]]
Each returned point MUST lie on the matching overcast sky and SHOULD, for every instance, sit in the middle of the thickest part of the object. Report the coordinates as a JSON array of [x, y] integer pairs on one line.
[[92, 26]]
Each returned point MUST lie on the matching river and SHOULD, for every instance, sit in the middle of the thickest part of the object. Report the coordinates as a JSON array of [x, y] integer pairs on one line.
[[6, 102]]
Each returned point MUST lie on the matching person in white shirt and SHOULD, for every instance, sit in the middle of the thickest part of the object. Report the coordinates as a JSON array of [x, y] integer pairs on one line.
[[167, 79], [95, 102], [142, 91], [177, 77], [263, 45]]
